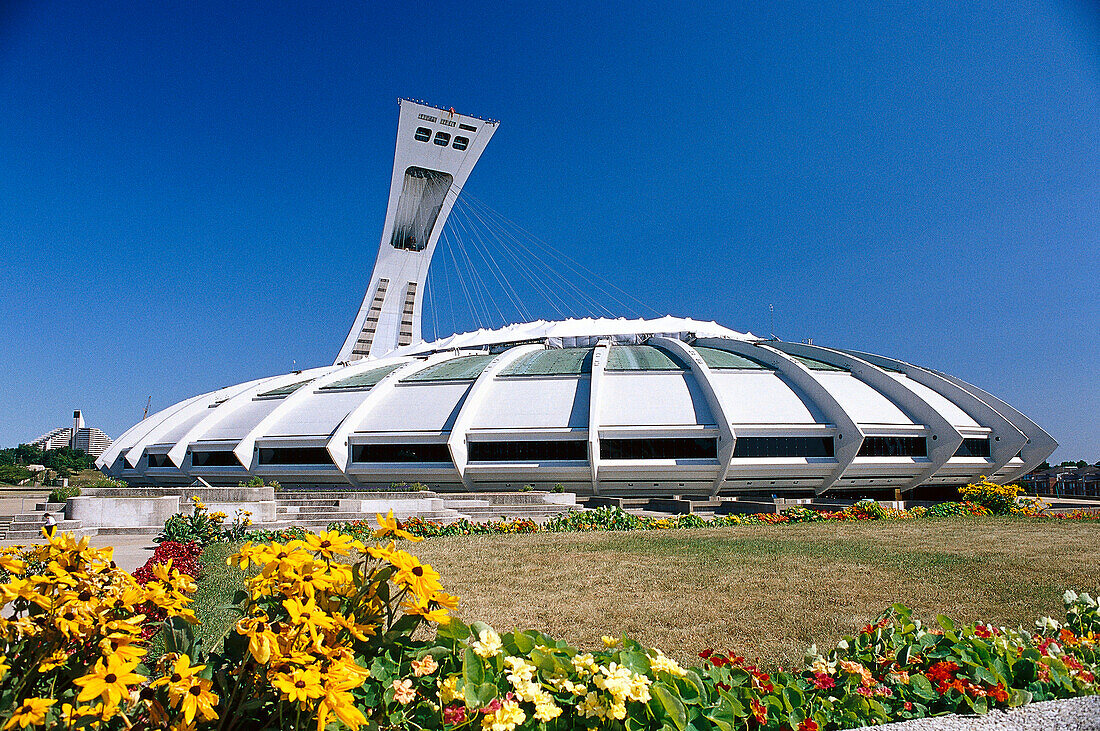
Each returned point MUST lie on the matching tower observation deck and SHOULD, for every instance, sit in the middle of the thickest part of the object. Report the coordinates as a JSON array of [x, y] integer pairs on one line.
[[436, 151]]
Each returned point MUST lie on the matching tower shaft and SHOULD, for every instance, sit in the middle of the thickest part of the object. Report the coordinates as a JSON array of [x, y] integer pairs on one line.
[[436, 151]]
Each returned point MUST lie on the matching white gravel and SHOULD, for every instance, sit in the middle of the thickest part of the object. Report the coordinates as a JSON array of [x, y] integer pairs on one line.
[[1074, 714]]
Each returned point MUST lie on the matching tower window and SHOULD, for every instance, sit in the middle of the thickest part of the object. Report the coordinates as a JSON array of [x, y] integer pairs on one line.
[[423, 134], [461, 143], [442, 138]]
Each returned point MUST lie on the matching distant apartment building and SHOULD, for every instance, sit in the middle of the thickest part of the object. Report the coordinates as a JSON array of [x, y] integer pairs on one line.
[[1063, 481], [87, 439]]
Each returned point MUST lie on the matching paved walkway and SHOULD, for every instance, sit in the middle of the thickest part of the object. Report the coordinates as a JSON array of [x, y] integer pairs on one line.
[[130, 551]]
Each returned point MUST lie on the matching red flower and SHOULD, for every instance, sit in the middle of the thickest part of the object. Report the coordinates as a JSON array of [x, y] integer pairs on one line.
[[808, 725], [454, 714], [705, 654], [493, 706], [941, 672], [759, 711], [822, 681], [999, 693], [907, 705]]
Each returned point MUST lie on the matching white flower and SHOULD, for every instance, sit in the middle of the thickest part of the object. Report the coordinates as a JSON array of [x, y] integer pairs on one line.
[[488, 644]]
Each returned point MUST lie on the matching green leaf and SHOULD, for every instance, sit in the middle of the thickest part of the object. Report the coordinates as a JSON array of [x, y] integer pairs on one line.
[[638, 662], [922, 687], [1018, 698], [944, 621], [672, 706], [523, 642], [455, 630], [473, 672]]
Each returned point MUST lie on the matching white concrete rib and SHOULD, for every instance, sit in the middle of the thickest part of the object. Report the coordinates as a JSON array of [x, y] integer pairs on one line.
[[456, 442], [727, 440], [242, 394], [245, 449], [337, 444], [945, 438], [600, 354], [1005, 439], [849, 436], [134, 452], [1039, 446]]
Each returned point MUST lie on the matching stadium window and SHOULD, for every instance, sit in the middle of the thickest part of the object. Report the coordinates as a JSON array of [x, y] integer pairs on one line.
[[542, 450], [461, 143], [973, 448], [400, 453], [295, 456], [219, 458], [894, 447], [672, 448], [423, 134], [442, 138], [783, 447], [160, 460], [468, 127]]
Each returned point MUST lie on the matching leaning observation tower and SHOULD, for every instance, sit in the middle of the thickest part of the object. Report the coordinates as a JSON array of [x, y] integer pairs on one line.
[[611, 406]]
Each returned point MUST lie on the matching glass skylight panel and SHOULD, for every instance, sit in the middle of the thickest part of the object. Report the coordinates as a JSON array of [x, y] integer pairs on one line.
[[553, 362], [284, 390], [719, 359], [364, 380], [466, 368], [816, 365], [640, 358]]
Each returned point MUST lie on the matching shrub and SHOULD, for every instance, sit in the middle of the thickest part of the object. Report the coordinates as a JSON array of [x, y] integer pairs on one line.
[[558, 488], [527, 488], [199, 526], [61, 494], [997, 499], [14, 474]]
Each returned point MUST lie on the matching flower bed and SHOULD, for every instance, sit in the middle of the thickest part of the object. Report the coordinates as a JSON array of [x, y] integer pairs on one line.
[[324, 643]]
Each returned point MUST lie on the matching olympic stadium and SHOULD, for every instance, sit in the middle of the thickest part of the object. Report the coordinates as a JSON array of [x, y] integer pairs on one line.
[[601, 405]]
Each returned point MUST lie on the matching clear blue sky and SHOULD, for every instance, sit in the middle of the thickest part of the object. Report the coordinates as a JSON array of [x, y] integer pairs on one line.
[[191, 193]]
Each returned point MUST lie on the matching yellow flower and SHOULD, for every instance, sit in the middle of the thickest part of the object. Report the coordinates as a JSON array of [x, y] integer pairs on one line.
[[609, 641], [448, 689], [388, 527], [200, 700], [331, 543], [338, 701], [32, 712], [300, 685], [488, 643], [505, 718], [420, 579], [109, 680], [662, 664], [261, 640], [424, 666], [403, 691], [309, 617], [52, 661]]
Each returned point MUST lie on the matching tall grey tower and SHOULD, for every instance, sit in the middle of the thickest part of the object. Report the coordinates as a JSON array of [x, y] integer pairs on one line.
[[436, 151]]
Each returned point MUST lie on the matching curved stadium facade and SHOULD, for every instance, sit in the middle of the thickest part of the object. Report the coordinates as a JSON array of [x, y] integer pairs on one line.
[[612, 407]]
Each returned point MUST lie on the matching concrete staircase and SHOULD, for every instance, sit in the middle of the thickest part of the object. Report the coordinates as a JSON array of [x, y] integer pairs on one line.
[[28, 526]]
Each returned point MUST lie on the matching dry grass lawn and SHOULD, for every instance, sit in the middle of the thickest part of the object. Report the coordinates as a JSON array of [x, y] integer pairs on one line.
[[766, 592]]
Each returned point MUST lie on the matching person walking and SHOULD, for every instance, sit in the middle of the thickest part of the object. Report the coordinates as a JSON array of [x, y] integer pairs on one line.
[[49, 525]]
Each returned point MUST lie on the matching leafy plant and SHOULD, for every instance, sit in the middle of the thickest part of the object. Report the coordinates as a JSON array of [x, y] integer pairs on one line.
[[61, 494], [997, 499]]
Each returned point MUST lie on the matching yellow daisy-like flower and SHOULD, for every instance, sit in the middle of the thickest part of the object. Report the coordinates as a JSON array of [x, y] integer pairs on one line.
[[199, 700], [261, 640], [32, 712], [331, 543], [110, 680], [420, 579], [388, 527], [300, 685]]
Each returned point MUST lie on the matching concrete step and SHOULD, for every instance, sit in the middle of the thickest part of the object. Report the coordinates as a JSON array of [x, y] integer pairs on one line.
[[300, 502], [33, 532]]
